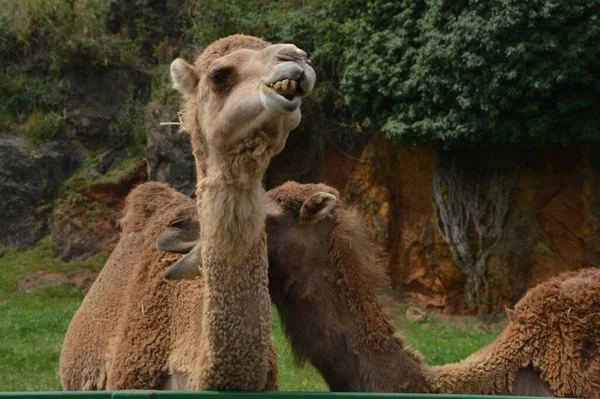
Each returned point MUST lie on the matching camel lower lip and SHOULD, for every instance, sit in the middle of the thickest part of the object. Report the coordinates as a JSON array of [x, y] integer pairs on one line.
[[273, 97], [281, 94], [286, 98]]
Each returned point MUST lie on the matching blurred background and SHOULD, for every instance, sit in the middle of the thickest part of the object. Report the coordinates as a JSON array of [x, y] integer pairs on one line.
[[465, 133]]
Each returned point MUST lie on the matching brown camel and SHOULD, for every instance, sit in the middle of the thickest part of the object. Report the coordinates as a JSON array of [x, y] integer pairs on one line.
[[241, 100], [321, 267], [134, 330], [321, 272]]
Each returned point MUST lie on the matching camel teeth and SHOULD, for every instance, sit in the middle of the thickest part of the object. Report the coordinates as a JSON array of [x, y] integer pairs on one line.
[[284, 86], [292, 86]]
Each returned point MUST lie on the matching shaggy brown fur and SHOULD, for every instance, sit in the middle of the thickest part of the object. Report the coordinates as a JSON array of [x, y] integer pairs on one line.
[[321, 273], [554, 330], [134, 330], [332, 317], [551, 346], [241, 100]]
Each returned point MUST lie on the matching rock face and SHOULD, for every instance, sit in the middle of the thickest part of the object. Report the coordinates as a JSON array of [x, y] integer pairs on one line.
[[169, 152], [29, 179], [553, 224], [95, 100], [85, 222]]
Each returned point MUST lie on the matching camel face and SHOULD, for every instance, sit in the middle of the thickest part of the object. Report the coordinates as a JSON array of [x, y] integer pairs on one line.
[[298, 225], [247, 91]]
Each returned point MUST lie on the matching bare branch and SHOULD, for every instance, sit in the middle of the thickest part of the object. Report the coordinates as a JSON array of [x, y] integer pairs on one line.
[[471, 198]]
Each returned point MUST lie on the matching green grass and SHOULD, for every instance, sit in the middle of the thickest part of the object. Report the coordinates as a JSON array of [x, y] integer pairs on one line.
[[79, 180], [446, 340], [17, 264], [290, 376], [32, 326], [31, 332]]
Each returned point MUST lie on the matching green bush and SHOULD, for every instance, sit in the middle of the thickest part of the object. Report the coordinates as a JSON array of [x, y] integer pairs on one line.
[[9, 46], [422, 71], [128, 131], [25, 93], [33, 106], [40, 126], [476, 71], [59, 35]]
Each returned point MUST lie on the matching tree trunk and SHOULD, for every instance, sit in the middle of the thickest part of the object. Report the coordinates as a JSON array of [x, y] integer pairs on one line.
[[471, 193]]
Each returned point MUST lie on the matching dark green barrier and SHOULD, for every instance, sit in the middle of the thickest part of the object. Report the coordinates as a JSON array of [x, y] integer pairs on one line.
[[230, 395]]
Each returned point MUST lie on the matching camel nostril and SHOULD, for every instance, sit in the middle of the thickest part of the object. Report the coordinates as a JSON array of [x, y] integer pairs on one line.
[[290, 53], [301, 53], [285, 57]]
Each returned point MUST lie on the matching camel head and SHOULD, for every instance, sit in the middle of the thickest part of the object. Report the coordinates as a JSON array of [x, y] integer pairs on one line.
[[299, 223], [242, 98]]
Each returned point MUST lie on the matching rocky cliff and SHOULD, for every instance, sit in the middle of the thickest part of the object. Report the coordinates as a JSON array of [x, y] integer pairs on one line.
[[553, 223], [29, 180]]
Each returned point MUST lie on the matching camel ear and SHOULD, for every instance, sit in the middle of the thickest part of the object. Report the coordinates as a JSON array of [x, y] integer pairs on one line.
[[181, 236], [187, 267], [185, 77], [510, 313], [317, 207]]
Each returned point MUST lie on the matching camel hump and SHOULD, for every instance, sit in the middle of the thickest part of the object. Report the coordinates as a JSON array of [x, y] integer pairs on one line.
[[144, 201]]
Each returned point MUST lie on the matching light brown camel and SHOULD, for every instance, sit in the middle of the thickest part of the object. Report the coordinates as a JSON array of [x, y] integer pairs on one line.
[[241, 100], [322, 272], [134, 330]]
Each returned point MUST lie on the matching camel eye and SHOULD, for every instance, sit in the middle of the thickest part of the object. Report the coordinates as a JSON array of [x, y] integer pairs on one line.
[[220, 77]]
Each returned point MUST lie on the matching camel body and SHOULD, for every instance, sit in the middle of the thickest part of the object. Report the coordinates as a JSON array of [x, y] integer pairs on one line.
[[241, 98], [134, 329]]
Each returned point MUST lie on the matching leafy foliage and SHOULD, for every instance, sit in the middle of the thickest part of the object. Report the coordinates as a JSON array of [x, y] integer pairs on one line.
[[423, 71], [476, 71], [128, 131], [42, 42], [57, 35]]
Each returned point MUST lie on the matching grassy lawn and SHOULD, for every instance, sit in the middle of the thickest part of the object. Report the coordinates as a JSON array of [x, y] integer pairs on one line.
[[445, 340], [32, 325]]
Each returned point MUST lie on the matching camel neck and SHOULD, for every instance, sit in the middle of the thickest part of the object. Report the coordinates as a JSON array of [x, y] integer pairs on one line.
[[330, 336], [233, 218], [316, 337], [236, 315]]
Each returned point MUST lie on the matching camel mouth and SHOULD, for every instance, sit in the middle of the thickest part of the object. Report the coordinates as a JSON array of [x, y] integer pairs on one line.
[[284, 94], [287, 88]]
